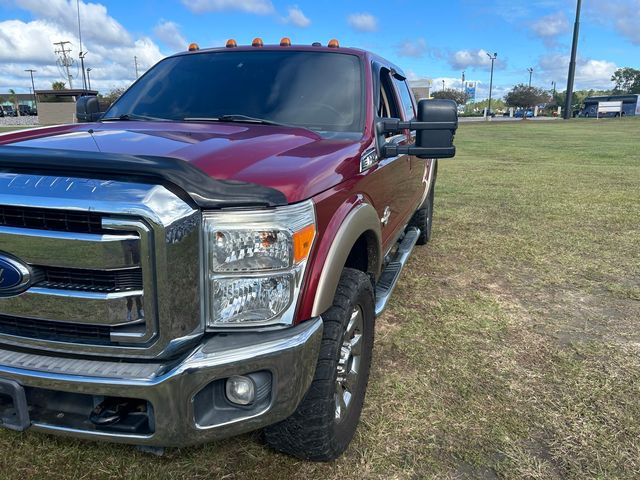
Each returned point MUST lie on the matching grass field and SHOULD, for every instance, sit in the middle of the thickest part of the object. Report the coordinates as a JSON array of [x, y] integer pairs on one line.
[[510, 349]]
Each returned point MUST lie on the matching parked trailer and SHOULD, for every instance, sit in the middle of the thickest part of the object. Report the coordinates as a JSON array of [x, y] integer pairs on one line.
[[611, 106]]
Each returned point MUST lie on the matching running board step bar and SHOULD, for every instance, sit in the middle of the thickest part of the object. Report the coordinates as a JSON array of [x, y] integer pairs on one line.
[[390, 275]]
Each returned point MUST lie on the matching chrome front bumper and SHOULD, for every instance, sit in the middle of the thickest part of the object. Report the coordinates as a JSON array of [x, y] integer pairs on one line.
[[289, 356]]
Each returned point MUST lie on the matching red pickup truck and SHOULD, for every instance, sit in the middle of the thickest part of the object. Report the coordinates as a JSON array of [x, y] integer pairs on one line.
[[209, 255]]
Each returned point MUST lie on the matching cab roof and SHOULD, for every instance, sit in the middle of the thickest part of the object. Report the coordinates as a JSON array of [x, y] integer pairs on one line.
[[364, 54]]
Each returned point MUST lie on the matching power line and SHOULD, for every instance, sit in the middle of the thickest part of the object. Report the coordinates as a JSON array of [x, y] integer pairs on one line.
[[64, 60]]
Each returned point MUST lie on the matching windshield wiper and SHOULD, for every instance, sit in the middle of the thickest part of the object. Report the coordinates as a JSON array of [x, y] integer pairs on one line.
[[237, 118], [134, 116]]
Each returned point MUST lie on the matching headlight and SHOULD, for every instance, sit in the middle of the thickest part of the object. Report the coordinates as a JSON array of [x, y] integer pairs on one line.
[[255, 263]]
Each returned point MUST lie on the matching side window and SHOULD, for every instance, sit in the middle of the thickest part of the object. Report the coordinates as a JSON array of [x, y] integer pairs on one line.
[[406, 98], [388, 107]]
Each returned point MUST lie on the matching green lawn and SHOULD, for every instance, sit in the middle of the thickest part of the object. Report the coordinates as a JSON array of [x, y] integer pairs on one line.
[[510, 349]]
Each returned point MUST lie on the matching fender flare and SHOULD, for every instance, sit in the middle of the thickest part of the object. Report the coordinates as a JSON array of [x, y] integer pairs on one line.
[[361, 220]]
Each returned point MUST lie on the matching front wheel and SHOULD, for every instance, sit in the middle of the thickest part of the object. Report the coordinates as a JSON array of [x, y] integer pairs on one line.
[[325, 421]]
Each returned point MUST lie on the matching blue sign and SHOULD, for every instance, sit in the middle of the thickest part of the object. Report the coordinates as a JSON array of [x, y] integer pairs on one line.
[[470, 90], [14, 276]]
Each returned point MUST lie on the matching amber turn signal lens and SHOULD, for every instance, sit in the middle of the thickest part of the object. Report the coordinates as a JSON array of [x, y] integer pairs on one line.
[[302, 241], [333, 43], [257, 42], [193, 47], [285, 42], [231, 43]]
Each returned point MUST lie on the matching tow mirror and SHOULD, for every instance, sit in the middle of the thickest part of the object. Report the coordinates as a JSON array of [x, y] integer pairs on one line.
[[88, 109], [435, 128]]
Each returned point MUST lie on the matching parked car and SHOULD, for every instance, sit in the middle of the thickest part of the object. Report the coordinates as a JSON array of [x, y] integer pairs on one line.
[[521, 113], [9, 111], [205, 265], [488, 113], [25, 110]]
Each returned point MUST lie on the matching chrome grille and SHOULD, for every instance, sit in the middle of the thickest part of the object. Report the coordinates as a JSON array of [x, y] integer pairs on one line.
[[42, 219], [114, 266], [123, 280], [95, 304], [55, 331]]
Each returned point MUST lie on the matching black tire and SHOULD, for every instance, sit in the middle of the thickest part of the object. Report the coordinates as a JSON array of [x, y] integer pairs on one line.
[[314, 431], [423, 218]]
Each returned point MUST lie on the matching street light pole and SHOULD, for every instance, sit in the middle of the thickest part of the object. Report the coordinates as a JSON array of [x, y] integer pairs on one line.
[[572, 64], [89, 77], [493, 59], [33, 87], [443, 85], [530, 70], [82, 54]]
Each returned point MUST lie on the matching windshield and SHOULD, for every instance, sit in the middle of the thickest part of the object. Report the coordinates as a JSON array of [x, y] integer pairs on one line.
[[318, 90]]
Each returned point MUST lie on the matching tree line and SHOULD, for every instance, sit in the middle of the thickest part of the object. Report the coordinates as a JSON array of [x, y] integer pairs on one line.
[[626, 81]]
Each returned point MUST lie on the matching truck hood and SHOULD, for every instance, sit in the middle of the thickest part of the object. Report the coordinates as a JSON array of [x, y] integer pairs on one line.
[[295, 161]]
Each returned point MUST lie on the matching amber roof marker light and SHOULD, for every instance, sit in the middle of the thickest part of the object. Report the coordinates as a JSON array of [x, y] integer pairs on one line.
[[194, 47], [285, 42], [231, 43], [257, 42], [333, 43]]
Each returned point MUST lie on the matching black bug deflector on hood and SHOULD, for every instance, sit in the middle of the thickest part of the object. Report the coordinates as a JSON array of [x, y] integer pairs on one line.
[[179, 176]]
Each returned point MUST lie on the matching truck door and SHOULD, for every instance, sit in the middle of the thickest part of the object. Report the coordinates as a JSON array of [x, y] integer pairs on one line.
[[420, 168], [395, 183]]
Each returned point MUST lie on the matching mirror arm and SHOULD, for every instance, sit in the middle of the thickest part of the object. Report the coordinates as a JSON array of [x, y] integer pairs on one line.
[[392, 125], [422, 152]]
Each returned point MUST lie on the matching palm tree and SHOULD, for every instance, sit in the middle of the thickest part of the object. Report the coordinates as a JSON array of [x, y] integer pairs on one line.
[[13, 98]]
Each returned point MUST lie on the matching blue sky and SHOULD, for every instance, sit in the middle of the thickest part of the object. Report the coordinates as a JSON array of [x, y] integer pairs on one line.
[[435, 40]]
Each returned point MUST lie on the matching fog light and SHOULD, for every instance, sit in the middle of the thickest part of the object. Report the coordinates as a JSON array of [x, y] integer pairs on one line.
[[240, 390]]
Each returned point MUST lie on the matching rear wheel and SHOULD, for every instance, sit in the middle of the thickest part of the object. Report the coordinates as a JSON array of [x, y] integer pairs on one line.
[[325, 421]]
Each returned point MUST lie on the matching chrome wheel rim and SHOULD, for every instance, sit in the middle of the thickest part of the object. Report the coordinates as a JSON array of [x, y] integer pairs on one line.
[[349, 364]]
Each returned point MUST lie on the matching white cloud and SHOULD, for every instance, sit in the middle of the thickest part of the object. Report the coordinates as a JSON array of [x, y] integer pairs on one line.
[[97, 25], [623, 16], [111, 48], [363, 22], [259, 7], [463, 59], [297, 17], [169, 34], [590, 73], [29, 42], [413, 48], [551, 26]]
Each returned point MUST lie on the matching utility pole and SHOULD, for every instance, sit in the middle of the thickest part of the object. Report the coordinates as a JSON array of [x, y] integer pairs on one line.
[[89, 77], [493, 59], [568, 104], [463, 79], [553, 84], [81, 54], [135, 62], [33, 87], [530, 70], [64, 60]]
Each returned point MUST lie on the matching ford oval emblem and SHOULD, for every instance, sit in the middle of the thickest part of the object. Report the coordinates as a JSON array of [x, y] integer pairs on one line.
[[14, 276]]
